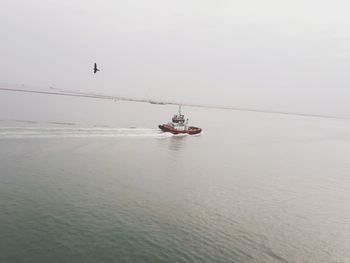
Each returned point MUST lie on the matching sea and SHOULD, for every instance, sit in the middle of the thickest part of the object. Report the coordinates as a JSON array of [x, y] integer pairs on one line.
[[94, 181]]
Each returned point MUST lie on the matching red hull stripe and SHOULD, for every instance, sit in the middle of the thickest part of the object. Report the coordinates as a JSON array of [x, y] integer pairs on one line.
[[191, 130]]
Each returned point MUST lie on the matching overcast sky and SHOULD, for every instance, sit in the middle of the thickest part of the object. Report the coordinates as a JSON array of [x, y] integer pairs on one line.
[[275, 55]]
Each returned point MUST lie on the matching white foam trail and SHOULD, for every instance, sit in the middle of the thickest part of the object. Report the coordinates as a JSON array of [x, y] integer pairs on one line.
[[180, 135], [69, 132]]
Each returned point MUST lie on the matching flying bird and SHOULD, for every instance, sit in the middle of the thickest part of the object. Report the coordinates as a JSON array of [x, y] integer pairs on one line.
[[95, 68]]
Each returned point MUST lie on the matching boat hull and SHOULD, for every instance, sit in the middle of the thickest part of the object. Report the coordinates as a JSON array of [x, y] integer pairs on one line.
[[191, 130]]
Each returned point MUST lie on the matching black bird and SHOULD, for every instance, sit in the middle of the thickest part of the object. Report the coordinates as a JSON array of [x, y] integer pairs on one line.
[[95, 68]]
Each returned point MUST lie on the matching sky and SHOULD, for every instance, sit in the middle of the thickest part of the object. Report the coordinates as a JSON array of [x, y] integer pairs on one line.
[[272, 55]]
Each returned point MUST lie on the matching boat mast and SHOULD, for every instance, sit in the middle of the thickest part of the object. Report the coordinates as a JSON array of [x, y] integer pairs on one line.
[[179, 110]]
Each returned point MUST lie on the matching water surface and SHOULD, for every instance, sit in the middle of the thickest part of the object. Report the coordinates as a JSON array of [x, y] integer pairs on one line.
[[253, 188]]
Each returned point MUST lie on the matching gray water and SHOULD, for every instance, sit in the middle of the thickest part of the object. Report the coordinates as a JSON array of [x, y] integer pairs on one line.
[[252, 188]]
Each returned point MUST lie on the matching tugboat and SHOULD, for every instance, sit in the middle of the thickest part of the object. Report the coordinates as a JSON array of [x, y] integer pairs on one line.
[[178, 125]]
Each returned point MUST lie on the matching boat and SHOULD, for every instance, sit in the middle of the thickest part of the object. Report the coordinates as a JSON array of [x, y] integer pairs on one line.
[[179, 125]]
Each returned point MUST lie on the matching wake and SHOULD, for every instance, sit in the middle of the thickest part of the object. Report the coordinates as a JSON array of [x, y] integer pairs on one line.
[[69, 132]]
